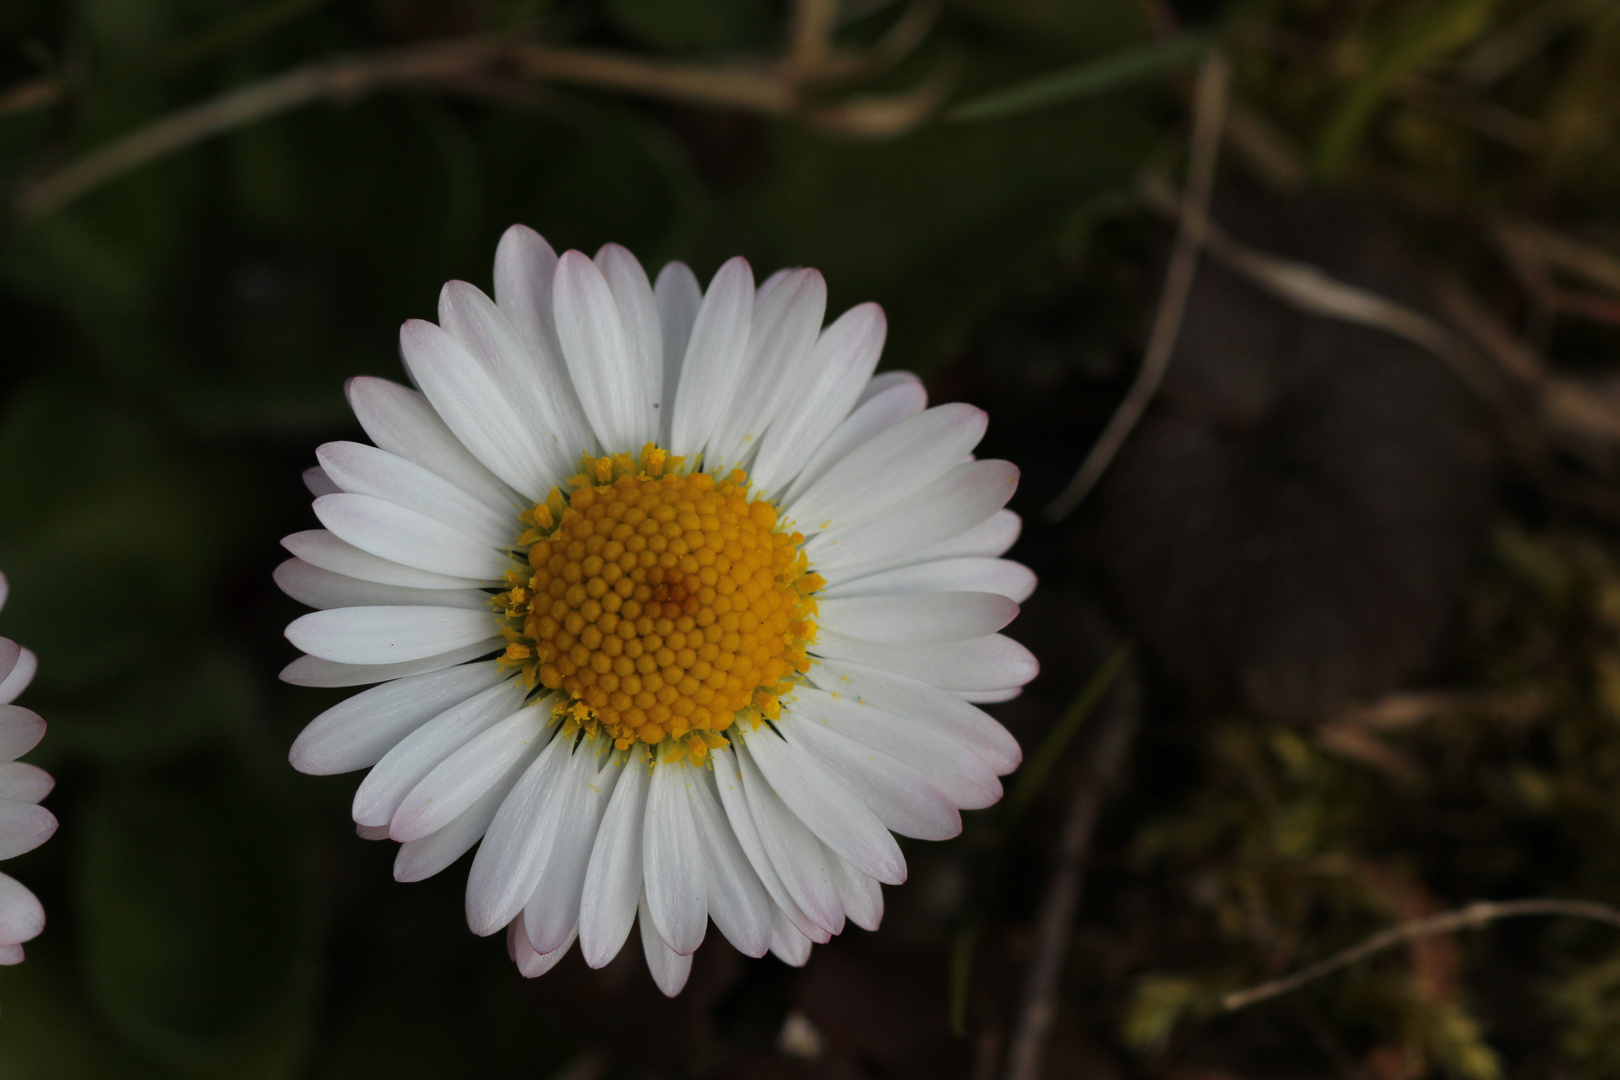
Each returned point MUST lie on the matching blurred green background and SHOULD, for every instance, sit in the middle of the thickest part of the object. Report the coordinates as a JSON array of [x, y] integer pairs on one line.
[[174, 338]]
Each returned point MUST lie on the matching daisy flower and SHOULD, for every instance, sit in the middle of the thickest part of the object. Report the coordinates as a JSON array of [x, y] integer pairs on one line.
[[24, 824], [676, 611]]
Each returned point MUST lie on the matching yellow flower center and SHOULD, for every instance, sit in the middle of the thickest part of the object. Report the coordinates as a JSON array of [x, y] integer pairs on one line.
[[663, 605]]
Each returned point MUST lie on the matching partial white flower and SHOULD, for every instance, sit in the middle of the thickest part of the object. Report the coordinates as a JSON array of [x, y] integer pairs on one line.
[[24, 824], [670, 603]]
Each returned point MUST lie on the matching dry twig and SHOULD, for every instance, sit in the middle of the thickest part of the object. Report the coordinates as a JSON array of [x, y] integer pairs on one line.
[[1475, 915], [474, 65], [1209, 118], [34, 94], [1536, 249], [1312, 290]]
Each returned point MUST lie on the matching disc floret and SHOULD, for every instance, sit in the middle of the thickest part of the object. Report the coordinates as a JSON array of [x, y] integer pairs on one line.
[[665, 604]]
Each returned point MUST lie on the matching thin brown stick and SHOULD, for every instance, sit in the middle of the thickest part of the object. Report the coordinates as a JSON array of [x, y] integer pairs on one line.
[[744, 86], [810, 32], [469, 63], [340, 79], [1105, 757], [33, 94], [1209, 116], [1312, 290], [897, 43], [1545, 247], [1475, 915], [1265, 149]]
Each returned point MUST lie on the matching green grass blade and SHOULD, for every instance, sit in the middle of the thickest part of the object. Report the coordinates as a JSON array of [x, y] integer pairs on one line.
[[1036, 770], [1083, 80]]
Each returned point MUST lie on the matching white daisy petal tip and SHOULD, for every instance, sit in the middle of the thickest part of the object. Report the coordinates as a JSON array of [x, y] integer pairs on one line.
[[617, 677], [20, 731], [24, 824]]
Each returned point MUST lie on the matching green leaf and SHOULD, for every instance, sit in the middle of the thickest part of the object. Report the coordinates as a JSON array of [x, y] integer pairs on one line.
[[196, 899], [936, 226], [1432, 31], [50, 1032], [1062, 26], [111, 549], [164, 711], [1086, 79], [680, 25], [1159, 1004]]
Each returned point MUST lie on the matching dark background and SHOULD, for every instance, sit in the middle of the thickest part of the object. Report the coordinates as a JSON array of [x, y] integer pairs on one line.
[[1374, 604]]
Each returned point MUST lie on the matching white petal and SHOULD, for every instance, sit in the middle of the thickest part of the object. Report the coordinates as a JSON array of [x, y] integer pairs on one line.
[[616, 391], [356, 732], [525, 267], [467, 775], [313, 671], [532, 964], [421, 859], [1004, 577], [525, 279], [917, 618], [957, 501], [419, 753], [410, 537], [714, 357], [669, 968], [993, 662], [22, 917], [893, 406], [787, 943], [905, 800], [10, 955], [19, 677], [678, 296], [23, 827], [892, 464], [20, 731], [401, 421], [5, 590], [23, 782], [989, 538], [320, 548], [514, 852], [323, 589], [776, 369], [729, 784], [371, 832], [613, 875], [388, 635], [672, 868], [551, 917], [922, 703], [366, 470], [879, 383], [738, 903], [638, 311], [989, 697], [794, 852], [319, 483], [769, 285], [473, 405], [862, 896], [949, 765], [10, 653], [841, 362], [555, 424], [828, 808]]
